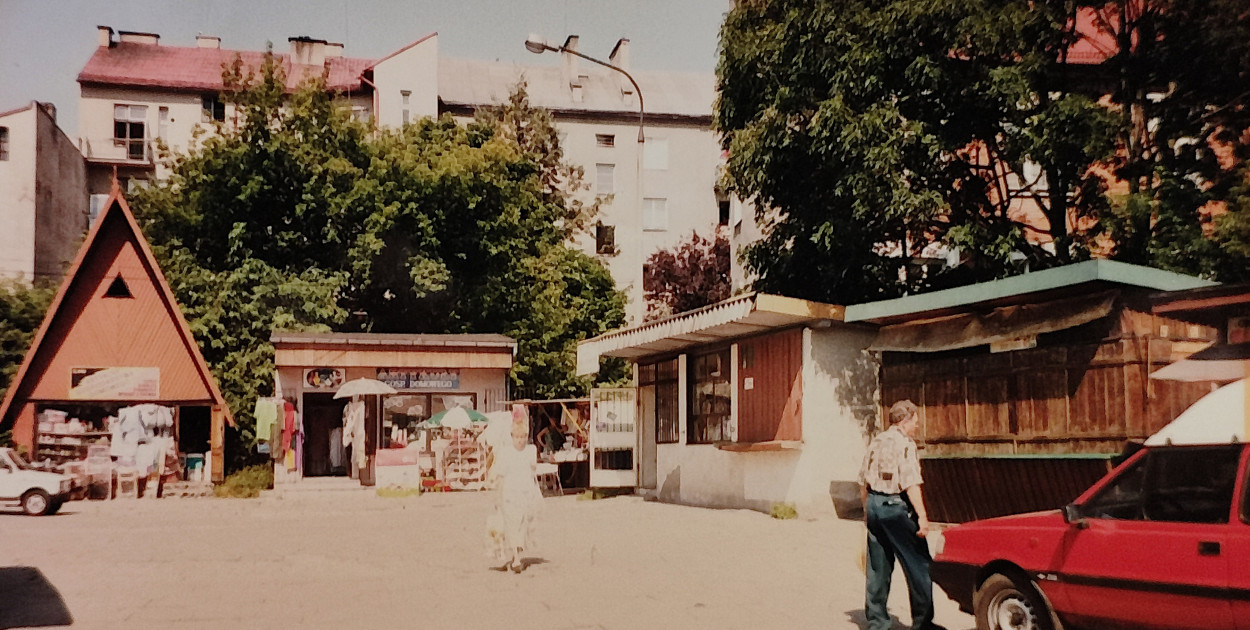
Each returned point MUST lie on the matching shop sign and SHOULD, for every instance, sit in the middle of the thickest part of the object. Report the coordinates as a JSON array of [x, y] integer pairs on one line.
[[420, 379], [115, 383], [323, 378]]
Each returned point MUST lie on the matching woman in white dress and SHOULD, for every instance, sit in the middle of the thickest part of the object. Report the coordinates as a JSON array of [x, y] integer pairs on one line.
[[510, 526]]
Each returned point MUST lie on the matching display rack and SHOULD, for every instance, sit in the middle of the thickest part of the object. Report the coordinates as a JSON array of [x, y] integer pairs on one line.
[[59, 448], [464, 464]]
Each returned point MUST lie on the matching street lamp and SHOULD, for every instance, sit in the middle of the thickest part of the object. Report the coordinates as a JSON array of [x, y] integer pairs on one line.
[[538, 45]]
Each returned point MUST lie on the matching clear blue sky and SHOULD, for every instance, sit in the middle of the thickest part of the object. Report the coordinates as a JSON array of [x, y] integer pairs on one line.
[[44, 43]]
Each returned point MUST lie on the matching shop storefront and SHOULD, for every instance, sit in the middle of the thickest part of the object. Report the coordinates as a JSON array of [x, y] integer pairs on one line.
[[114, 382], [431, 374]]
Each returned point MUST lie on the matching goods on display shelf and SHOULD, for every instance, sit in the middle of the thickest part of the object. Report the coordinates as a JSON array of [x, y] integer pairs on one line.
[[464, 464]]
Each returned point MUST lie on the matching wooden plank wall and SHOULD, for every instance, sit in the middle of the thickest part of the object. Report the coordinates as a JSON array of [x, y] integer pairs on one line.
[[1082, 391], [962, 489], [772, 408]]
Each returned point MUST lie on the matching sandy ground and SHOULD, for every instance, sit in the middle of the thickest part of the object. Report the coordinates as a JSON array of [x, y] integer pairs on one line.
[[337, 556]]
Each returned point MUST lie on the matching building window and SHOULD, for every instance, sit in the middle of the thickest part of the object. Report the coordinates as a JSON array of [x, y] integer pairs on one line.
[[655, 154], [405, 94], [722, 206], [605, 140], [162, 123], [603, 179], [662, 377], [605, 239], [655, 214], [4, 143], [128, 129], [710, 395], [212, 109]]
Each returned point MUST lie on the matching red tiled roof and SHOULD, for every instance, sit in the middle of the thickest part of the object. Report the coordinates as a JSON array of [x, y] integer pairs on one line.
[[1095, 44], [188, 68]]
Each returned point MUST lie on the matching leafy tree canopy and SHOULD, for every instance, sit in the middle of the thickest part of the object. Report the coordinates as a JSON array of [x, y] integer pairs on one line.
[[298, 216], [871, 132], [690, 275], [22, 307]]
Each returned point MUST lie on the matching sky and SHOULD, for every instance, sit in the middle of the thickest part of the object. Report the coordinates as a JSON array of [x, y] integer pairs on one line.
[[44, 43]]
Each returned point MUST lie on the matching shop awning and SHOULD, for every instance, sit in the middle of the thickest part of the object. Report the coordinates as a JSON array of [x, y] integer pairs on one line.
[[740, 316], [1001, 324]]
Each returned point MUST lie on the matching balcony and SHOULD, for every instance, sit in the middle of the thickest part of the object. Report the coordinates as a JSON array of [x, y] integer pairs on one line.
[[121, 152]]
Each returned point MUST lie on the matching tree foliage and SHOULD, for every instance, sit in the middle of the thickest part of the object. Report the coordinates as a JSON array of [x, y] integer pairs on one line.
[[690, 275], [22, 308], [298, 216], [871, 133]]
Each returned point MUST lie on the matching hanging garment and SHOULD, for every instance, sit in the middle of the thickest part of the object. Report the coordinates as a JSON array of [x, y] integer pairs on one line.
[[266, 414], [288, 424], [354, 432], [154, 417], [336, 447]]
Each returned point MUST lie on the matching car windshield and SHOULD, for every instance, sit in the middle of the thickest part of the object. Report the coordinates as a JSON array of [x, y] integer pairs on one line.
[[18, 461]]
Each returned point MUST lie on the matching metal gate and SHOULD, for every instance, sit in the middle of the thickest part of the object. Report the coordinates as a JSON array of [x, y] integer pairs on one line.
[[613, 438]]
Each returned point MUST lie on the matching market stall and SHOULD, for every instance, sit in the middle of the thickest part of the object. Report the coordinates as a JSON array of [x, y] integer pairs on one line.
[[114, 382]]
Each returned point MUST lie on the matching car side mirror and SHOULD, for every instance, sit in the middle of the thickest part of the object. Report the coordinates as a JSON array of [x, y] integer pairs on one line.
[[1072, 515]]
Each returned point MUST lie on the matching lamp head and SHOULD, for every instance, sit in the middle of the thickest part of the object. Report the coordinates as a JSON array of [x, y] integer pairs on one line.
[[536, 44]]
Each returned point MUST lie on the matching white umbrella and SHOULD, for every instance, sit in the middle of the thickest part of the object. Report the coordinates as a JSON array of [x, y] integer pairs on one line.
[[364, 387], [456, 418], [1217, 418]]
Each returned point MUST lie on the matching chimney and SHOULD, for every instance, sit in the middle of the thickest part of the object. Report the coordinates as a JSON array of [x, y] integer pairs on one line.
[[620, 54], [308, 51], [105, 35], [569, 63], [135, 37], [207, 41], [334, 51]]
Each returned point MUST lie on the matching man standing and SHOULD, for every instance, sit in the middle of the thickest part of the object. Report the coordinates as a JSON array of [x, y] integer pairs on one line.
[[889, 486]]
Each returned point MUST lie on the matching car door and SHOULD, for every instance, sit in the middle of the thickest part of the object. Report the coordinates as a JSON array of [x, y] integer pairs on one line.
[[1238, 549], [1151, 550]]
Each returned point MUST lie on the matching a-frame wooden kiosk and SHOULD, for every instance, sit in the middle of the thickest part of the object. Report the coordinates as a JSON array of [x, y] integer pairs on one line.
[[113, 337]]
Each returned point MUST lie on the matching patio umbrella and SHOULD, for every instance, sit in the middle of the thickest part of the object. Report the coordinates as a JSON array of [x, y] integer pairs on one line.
[[363, 387], [455, 418], [1220, 362]]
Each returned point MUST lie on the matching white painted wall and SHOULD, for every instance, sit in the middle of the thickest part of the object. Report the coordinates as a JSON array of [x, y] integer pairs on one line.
[[17, 196], [839, 390], [687, 184], [415, 70]]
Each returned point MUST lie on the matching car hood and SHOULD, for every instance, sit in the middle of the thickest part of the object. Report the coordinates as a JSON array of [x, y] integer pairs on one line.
[[1030, 520], [40, 476]]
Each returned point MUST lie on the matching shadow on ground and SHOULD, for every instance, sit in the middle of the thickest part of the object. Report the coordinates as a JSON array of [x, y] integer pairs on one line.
[[28, 600]]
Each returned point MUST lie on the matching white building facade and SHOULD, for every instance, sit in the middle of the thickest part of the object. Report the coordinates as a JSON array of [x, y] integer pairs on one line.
[[43, 195]]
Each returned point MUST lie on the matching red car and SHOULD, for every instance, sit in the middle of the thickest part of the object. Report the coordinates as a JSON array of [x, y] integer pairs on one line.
[[1162, 542]]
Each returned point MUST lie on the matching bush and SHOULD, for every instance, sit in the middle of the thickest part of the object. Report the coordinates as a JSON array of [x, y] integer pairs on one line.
[[247, 483], [783, 511]]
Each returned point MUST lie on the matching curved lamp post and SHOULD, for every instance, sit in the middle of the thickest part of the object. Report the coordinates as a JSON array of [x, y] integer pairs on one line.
[[538, 45]]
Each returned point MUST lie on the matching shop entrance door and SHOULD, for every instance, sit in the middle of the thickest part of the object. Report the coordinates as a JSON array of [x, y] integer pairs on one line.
[[613, 438], [324, 457]]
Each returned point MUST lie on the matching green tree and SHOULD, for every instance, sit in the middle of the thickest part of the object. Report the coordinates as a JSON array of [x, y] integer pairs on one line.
[[297, 216], [870, 132], [22, 307]]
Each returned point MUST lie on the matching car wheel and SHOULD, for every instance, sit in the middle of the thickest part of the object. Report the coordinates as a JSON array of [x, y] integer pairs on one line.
[[36, 502], [1003, 603]]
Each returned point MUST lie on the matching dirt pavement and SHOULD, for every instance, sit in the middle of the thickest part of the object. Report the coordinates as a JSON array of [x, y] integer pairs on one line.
[[342, 557]]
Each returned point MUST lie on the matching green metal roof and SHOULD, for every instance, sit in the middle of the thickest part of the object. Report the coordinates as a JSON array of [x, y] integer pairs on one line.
[[1056, 278]]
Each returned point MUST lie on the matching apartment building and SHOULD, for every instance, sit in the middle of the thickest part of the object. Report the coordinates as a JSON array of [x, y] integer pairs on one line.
[[44, 195], [655, 189]]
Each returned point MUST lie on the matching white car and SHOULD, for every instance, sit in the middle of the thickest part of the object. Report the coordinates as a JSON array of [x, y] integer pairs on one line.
[[37, 491]]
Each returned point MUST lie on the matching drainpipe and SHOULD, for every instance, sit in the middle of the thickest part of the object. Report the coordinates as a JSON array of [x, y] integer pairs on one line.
[[375, 100]]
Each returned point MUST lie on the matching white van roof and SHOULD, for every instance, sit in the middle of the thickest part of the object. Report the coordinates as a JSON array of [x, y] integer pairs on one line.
[[1217, 418]]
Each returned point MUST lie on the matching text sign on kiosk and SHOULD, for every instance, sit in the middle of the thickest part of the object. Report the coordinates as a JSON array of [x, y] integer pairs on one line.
[[420, 379], [115, 383]]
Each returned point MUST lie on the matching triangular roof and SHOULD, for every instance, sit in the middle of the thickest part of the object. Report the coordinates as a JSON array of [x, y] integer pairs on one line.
[[85, 328]]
